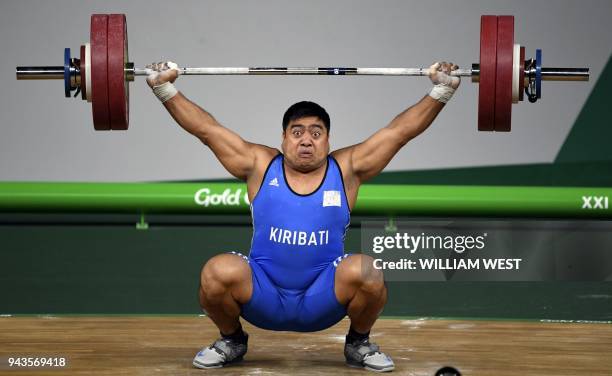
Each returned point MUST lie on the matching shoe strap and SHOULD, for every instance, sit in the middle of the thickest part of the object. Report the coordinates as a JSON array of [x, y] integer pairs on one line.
[[366, 348], [224, 348]]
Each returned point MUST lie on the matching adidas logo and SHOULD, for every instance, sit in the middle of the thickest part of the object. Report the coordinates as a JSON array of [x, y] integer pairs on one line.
[[274, 182]]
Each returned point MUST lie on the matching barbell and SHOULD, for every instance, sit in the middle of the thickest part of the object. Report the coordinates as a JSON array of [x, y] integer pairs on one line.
[[102, 72]]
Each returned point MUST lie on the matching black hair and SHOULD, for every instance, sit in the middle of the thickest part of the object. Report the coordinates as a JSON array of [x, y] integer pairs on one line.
[[304, 109]]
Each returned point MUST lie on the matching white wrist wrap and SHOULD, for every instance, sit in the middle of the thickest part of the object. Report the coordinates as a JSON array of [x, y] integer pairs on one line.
[[164, 91], [442, 93]]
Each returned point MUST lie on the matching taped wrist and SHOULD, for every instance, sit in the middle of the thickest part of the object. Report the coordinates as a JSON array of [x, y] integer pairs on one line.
[[442, 93], [165, 91]]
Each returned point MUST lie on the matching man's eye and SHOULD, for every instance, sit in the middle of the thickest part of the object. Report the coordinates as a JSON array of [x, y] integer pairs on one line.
[[297, 133], [316, 134]]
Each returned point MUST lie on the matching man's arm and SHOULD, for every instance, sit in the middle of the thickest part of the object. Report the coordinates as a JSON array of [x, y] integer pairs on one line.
[[239, 157], [367, 159]]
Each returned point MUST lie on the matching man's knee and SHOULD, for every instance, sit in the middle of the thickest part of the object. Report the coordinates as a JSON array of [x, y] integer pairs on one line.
[[222, 272], [358, 270]]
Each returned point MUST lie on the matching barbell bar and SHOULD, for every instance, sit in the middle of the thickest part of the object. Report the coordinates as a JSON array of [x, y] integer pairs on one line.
[[57, 72], [103, 71]]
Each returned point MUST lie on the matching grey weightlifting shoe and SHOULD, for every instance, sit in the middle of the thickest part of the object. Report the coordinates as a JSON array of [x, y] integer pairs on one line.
[[364, 354], [221, 353]]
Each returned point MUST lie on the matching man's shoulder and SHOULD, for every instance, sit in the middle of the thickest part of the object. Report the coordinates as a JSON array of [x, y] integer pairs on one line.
[[264, 155], [343, 158], [264, 151]]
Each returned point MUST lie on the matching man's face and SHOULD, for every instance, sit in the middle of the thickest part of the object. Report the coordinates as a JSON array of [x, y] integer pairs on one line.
[[305, 144]]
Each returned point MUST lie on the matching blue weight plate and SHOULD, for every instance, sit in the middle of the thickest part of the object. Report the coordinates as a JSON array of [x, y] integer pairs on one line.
[[538, 80], [67, 72]]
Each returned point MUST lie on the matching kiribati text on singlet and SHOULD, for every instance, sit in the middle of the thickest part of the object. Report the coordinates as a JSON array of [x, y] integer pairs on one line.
[[293, 237]]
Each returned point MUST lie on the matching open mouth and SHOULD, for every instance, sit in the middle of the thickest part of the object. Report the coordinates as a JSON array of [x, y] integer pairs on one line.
[[304, 154]]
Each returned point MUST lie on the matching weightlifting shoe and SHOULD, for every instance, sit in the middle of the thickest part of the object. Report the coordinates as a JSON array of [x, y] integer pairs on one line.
[[221, 353], [364, 354]]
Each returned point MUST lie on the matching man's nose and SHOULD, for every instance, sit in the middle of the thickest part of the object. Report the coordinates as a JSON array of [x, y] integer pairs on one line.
[[306, 141]]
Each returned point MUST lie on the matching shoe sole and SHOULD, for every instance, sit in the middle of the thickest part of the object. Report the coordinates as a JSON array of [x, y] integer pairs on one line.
[[221, 365], [203, 366], [358, 365]]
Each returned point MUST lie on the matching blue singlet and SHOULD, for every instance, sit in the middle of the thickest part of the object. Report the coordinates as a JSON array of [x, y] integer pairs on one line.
[[298, 240]]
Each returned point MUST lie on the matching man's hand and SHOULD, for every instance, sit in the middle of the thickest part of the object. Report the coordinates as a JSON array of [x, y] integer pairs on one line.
[[440, 74], [160, 73], [444, 84], [160, 78]]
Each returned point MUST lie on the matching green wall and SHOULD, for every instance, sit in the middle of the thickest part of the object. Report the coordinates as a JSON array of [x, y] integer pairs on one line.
[[89, 264]]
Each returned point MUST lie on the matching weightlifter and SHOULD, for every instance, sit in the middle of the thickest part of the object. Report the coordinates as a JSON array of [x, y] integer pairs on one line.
[[297, 276]]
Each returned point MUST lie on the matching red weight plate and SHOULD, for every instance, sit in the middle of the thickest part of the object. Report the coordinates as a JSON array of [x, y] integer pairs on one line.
[[488, 58], [503, 85], [117, 84], [99, 73], [82, 69], [522, 74]]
